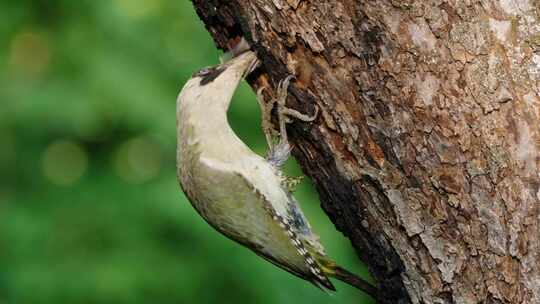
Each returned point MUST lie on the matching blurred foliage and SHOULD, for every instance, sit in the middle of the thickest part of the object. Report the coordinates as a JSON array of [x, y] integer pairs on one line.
[[90, 210]]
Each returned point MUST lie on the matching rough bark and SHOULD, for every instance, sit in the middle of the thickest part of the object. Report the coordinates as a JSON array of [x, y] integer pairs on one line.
[[426, 151]]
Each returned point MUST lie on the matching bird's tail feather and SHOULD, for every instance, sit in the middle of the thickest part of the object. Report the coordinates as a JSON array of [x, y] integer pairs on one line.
[[350, 278]]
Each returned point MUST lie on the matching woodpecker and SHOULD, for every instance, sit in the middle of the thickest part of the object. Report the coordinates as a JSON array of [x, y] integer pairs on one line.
[[239, 193]]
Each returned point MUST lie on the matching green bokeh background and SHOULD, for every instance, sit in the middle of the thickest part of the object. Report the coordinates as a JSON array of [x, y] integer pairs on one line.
[[90, 209]]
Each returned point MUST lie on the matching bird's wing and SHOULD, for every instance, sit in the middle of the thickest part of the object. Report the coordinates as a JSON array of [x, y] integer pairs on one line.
[[260, 226]]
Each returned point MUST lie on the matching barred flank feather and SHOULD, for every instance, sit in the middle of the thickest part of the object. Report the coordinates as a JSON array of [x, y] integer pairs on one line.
[[319, 277]]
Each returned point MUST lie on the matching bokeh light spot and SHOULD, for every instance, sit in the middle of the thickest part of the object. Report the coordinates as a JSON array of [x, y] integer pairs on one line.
[[64, 162], [138, 8], [30, 53], [138, 160]]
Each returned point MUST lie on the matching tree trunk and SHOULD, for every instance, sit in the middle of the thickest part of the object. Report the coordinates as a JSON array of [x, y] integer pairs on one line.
[[425, 151]]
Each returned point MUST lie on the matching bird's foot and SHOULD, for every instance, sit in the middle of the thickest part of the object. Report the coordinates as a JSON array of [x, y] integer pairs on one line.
[[280, 152]]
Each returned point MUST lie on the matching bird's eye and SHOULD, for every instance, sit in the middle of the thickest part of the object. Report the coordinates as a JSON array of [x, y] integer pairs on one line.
[[210, 74], [203, 72]]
